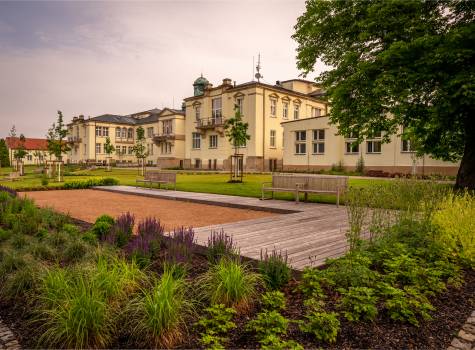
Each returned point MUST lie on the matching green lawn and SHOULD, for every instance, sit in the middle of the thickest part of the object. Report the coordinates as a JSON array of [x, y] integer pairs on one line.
[[192, 182]]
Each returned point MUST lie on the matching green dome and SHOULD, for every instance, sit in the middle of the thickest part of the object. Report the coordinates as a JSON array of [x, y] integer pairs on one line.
[[199, 85], [201, 81]]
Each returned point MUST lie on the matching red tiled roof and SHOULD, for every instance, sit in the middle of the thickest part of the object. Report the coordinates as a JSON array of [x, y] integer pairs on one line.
[[30, 144]]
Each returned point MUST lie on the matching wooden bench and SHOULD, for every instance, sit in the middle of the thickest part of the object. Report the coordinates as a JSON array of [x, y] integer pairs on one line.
[[13, 176], [303, 183], [159, 177]]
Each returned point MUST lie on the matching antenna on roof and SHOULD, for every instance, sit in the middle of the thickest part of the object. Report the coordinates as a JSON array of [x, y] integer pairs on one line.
[[252, 68], [258, 68]]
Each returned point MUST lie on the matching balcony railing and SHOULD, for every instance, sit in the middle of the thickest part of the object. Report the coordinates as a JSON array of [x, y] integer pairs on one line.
[[167, 137], [124, 139], [210, 123], [74, 139]]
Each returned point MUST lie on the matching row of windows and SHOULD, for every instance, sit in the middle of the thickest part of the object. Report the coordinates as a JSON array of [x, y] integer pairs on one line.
[[123, 133], [196, 141], [102, 131], [351, 147]]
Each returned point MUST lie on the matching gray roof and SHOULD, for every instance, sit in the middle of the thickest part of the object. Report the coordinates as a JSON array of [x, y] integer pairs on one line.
[[129, 119], [112, 118]]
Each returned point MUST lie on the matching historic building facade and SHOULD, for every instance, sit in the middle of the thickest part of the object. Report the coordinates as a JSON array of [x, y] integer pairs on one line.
[[264, 107], [313, 144], [36, 150], [87, 137]]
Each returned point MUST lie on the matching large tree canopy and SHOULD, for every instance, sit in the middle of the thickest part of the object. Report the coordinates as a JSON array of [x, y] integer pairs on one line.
[[397, 63]]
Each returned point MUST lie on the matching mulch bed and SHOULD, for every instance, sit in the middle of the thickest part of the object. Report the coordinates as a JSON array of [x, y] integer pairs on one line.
[[452, 309]]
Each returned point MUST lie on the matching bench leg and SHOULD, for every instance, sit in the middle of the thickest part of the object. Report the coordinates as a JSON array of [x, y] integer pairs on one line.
[[297, 196], [338, 198], [305, 198]]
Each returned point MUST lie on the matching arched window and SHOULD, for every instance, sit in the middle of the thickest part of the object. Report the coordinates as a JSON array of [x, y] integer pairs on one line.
[[117, 132], [124, 133], [130, 133]]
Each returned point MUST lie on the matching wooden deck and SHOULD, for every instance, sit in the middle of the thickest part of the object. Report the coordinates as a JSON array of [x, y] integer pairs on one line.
[[309, 232]]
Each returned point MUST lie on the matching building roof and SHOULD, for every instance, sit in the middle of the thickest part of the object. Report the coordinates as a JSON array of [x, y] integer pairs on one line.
[[112, 118], [30, 144]]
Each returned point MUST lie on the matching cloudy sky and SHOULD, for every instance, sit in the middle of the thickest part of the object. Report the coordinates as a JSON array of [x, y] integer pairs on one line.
[[122, 57]]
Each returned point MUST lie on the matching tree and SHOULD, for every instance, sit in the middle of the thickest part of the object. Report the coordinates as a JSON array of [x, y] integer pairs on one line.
[[20, 153], [397, 63], [4, 157], [236, 132], [139, 149], [55, 141], [109, 149]]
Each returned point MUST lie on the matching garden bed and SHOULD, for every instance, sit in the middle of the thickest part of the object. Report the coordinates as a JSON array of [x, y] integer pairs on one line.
[[103, 286]]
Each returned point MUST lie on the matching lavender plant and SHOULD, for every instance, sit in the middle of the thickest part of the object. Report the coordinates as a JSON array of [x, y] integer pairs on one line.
[[181, 245], [220, 245], [123, 228], [143, 245], [9, 190]]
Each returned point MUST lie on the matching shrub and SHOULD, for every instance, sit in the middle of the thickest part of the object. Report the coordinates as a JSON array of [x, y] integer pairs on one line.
[[220, 245], [406, 304], [75, 251], [146, 242], [274, 269], [18, 241], [352, 270], [42, 251], [101, 229], [231, 283], [89, 237], [44, 181], [181, 245], [11, 261], [123, 229], [158, 314], [108, 181], [70, 229], [105, 218], [5, 234], [322, 325], [359, 303], [216, 326], [20, 282], [274, 300], [311, 284], [58, 239], [456, 225]]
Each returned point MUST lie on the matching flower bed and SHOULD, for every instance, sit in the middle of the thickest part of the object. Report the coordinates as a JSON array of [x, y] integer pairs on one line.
[[64, 284]]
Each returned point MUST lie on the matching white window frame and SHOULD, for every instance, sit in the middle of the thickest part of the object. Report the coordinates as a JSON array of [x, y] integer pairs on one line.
[[118, 132], [150, 132], [273, 107], [198, 113], [354, 148], [316, 112], [272, 139], [216, 108], [98, 148], [296, 111], [240, 104], [372, 143], [213, 141], [300, 142], [196, 140], [318, 140], [285, 110], [99, 131]]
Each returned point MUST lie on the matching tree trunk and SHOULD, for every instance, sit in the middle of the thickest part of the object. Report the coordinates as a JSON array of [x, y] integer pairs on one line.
[[466, 173]]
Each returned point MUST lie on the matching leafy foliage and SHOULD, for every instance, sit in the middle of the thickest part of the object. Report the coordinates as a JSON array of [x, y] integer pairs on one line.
[[322, 325], [274, 300], [359, 303], [220, 245], [216, 325], [274, 269], [82, 184]]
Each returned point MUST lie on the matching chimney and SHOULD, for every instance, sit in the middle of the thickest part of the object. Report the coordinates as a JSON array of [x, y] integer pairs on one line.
[[81, 117], [227, 81], [277, 83], [75, 119]]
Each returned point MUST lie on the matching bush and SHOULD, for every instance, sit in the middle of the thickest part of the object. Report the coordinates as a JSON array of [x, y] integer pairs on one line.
[[11, 261], [42, 251], [5, 234], [220, 245], [20, 283], [105, 218], [146, 242], [123, 229], [158, 314], [70, 229], [359, 303], [216, 326], [311, 284], [181, 245], [44, 181], [274, 269], [352, 270], [230, 283], [101, 229], [274, 300], [75, 251], [322, 325], [89, 237], [108, 181], [456, 225]]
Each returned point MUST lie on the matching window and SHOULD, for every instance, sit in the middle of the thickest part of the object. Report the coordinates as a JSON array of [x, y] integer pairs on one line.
[[300, 142], [29, 157], [98, 148], [239, 105], [124, 149], [296, 111], [406, 146], [285, 110], [196, 140], [131, 150], [273, 107], [166, 148], [213, 141], [198, 113], [351, 147], [167, 127], [316, 112], [124, 133], [105, 131], [216, 108], [272, 138], [319, 141], [150, 132], [373, 146], [130, 133], [151, 149], [117, 132], [98, 131]]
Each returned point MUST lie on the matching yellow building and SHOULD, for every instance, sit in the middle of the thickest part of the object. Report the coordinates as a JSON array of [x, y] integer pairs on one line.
[[263, 106], [36, 150], [164, 140], [313, 144]]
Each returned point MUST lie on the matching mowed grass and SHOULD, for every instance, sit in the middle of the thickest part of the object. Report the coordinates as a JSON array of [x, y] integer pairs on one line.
[[216, 183]]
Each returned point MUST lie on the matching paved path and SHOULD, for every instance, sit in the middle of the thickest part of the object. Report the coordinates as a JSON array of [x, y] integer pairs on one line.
[[465, 339], [7, 338], [309, 232]]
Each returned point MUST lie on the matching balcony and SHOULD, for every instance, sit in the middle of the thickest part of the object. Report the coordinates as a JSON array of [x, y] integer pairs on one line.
[[74, 139], [210, 123], [158, 138], [124, 140]]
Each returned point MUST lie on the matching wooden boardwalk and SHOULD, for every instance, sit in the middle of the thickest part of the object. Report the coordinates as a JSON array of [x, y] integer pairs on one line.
[[309, 232]]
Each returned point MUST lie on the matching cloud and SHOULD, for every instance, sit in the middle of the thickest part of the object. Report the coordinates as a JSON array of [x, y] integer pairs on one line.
[[116, 57]]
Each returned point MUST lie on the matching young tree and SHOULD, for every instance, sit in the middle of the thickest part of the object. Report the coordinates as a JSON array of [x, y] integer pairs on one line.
[[397, 63], [139, 149], [236, 132], [4, 157], [109, 149], [55, 140], [20, 153]]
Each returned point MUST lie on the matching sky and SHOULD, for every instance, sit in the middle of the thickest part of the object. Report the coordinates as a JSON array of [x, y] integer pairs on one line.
[[93, 58]]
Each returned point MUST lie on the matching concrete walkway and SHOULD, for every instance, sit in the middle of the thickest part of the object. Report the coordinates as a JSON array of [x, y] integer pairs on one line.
[[309, 232]]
